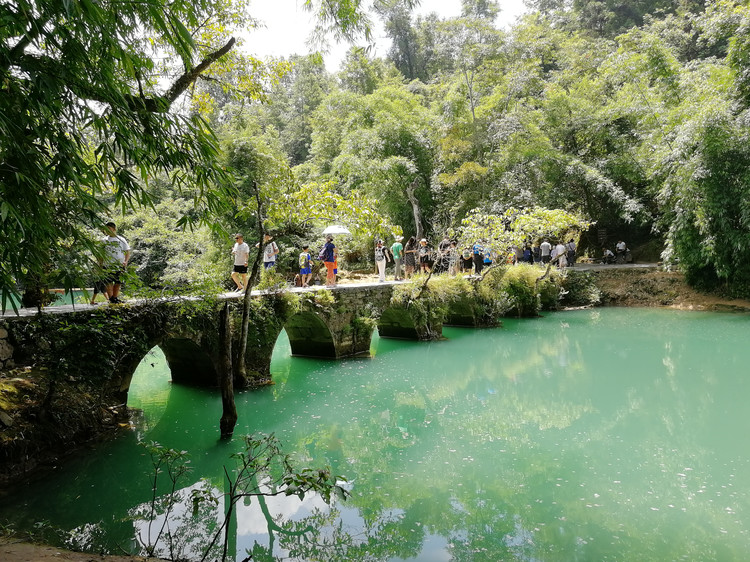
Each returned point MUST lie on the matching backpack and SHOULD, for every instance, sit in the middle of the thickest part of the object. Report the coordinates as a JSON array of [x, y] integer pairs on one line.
[[322, 253], [303, 261]]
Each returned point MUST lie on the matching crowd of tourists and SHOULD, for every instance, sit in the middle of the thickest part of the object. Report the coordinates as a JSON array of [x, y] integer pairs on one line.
[[415, 256], [471, 259]]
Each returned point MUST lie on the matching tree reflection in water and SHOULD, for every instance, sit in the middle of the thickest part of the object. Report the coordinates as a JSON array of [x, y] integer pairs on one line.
[[591, 435]]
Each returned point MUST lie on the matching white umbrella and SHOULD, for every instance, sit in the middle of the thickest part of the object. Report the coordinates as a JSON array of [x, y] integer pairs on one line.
[[336, 229]]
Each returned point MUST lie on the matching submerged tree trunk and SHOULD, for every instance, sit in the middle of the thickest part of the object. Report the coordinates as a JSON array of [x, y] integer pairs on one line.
[[229, 409], [415, 208]]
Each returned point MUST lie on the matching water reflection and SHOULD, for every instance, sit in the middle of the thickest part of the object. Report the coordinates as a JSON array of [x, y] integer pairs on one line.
[[607, 434]]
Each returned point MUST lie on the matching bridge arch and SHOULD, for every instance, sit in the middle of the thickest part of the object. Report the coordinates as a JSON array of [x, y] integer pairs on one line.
[[397, 322], [310, 336], [189, 362], [402, 322]]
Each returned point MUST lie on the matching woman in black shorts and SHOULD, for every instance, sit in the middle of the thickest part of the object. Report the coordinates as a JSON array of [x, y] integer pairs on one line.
[[410, 257]]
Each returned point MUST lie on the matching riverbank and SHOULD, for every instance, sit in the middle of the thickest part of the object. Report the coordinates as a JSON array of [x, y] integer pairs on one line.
[[650, 286], [17, 551]]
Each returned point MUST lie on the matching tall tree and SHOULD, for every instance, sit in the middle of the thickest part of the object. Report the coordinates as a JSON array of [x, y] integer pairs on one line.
[[404, 50], [378, 144], [484, 9], [361, 74], [88, 112], [292, 101]]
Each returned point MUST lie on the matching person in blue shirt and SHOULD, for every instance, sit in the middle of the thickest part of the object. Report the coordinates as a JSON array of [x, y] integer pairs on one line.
[[478, 254], [305, 266], [330, 254], [528, 257], [487, 253]]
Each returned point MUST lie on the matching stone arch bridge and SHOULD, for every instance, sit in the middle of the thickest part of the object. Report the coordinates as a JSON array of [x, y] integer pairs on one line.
[[108, 343]]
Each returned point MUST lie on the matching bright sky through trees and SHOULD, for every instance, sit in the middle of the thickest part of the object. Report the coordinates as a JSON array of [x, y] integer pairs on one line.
[[288, 25]]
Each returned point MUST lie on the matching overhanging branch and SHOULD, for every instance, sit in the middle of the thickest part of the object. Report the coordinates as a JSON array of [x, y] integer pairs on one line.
[[32, 64], [184, 81]]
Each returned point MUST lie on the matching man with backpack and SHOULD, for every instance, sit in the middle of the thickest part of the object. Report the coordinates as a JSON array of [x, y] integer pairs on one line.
[[270, 251]]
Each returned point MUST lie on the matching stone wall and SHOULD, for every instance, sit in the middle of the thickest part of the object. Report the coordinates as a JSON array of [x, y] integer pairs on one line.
[[6, 348]]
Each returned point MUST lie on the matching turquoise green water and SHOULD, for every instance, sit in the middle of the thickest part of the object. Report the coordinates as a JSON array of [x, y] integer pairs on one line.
[[607, 434]]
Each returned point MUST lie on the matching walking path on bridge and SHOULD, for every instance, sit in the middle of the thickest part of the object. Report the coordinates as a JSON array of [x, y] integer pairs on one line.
[[369, 280]]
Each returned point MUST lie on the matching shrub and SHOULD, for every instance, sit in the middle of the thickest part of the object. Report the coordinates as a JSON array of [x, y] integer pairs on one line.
[[581, 289], [525, 292], [271, 280]]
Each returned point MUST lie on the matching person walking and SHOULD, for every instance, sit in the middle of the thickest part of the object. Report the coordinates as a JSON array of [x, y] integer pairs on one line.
[[453, 258], [410, 257], [424, 256], [330, 255], [478, 256], [381, 259], [486, 255], [443, 258], [466, 260], [621, 250], [305, 266], [545, 249], [270, 251], [570, 248], [117, 256], [397, 250], [241, 252], [561, 255], [536, 253], [528, 257]]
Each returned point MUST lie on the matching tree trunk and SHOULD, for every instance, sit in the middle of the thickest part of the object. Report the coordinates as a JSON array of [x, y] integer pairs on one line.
[[415, 208], [240, 368], [229, 409]]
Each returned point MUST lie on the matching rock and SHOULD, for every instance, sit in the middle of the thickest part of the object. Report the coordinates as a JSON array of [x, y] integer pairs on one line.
[[5, 419], [3, 333], [6, 350]]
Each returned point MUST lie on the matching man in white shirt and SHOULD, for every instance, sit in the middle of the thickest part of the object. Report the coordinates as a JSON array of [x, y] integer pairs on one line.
[[621, 250], [117, 256], [240, 251], [561, 255], [545, 249], [269, 252]]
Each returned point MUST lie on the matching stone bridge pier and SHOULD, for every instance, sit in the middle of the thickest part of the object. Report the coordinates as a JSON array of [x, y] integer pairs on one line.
[[334, 324]]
